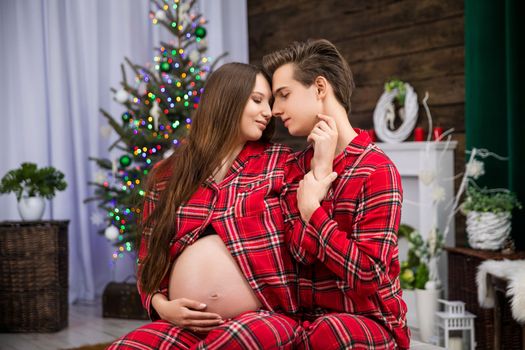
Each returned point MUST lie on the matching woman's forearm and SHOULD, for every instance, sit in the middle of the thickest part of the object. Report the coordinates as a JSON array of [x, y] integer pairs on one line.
[[158, 301]]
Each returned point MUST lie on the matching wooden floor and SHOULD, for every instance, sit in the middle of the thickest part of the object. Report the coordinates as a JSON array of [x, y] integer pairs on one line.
[[86, 326]]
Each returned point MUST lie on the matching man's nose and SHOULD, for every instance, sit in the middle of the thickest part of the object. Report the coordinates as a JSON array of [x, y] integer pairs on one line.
[[276, 110]]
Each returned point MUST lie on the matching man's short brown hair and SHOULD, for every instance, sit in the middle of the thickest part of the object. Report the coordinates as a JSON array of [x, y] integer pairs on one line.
[[311, 59]]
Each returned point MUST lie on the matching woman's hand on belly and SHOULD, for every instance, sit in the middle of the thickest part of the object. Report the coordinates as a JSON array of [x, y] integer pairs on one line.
[[186, 313], [206, 271]]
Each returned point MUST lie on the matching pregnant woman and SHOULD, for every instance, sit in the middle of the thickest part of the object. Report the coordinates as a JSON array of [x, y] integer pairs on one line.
[[214, 270]]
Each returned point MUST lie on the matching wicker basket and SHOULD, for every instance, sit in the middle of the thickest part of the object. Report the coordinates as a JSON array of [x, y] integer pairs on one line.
[[488, 230], [509, 334], [33, 276], [462, 268], [122, 300]]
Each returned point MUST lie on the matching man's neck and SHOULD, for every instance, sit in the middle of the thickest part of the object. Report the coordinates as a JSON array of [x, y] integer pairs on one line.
[[344, 129]]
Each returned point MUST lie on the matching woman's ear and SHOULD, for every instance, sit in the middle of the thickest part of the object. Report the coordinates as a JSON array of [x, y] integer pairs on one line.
[[321, 86]]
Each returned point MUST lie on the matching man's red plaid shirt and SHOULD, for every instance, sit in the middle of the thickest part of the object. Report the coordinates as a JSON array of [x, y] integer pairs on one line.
[[348, 250]]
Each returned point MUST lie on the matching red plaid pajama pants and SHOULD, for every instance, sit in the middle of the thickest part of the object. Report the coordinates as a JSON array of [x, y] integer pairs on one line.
[[251, 330], [265, 330], [345, 331]]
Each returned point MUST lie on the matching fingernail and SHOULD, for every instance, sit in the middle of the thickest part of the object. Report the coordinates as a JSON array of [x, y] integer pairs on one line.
[[203, 305]]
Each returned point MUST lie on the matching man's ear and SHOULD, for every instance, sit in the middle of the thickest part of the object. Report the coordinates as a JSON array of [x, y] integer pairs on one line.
[[321, 86]]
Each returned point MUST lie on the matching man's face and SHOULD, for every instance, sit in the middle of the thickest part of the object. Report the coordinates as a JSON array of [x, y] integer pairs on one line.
[[294, 103]]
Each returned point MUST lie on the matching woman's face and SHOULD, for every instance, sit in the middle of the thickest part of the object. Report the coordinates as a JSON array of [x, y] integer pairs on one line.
[[257, 112]]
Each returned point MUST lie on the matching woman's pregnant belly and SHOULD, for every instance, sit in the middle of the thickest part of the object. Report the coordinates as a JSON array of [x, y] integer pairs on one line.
[[206, 272]]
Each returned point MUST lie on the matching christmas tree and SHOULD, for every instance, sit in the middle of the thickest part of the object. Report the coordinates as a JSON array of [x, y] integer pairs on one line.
[[158, 104]]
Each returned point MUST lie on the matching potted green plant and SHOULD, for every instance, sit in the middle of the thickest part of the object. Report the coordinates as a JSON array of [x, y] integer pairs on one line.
[[31, 186], [419, 267], [419, 273], [489, 214]]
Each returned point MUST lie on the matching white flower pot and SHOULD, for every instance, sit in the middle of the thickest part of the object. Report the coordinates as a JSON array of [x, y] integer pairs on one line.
[[31, 208], [409, 297], [426, 307], [488, 230]]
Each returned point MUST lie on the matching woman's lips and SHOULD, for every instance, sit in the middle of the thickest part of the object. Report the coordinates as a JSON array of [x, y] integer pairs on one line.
[[261, 124]]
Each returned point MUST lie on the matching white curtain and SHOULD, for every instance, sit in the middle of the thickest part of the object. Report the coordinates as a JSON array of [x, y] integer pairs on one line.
[[228, 29], [59, 58]]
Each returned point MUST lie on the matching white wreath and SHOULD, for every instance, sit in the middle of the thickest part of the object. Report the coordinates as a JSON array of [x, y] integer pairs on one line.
[[384, 114]]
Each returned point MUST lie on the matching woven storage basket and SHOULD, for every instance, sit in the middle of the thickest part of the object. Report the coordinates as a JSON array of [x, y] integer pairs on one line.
[[33, 276], [512, 334], [488, 230], [122, 300], [462, 268]]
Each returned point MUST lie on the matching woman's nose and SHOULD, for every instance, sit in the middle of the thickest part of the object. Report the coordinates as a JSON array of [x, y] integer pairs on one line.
[[267, 113]]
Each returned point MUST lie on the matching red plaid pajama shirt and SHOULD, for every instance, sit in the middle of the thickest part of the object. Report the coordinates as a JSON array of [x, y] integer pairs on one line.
[[245, 211], [347, 252]]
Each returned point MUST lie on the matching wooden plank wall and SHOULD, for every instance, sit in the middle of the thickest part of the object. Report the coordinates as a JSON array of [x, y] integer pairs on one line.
[[418, 41]]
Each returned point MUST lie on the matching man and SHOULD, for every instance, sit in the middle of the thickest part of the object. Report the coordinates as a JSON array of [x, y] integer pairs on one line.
[[344, 239]]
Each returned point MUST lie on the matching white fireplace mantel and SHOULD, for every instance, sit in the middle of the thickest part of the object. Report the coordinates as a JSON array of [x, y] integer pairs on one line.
[[412, 158], [418, 211]]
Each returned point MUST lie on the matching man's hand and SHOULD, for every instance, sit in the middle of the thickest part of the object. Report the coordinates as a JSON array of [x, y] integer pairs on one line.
[[311, 192], [324, 137], [186, 313]]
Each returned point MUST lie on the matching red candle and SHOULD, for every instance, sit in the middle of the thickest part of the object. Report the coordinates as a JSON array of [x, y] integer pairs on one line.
[[372, 134], [437, 132], [419, 134]]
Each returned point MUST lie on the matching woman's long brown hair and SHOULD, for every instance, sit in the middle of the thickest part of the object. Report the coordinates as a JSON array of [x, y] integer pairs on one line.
[[214, 134]]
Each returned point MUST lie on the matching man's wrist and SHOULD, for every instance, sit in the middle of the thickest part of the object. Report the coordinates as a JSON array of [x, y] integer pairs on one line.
[[309, 211], [320, 172]]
